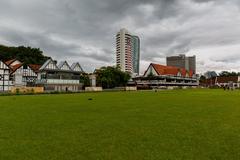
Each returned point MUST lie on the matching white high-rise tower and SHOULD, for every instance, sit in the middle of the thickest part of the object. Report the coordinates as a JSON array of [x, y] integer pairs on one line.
[[124, 51]]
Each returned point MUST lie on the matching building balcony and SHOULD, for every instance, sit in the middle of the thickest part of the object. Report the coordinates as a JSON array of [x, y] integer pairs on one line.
[[57, 81]]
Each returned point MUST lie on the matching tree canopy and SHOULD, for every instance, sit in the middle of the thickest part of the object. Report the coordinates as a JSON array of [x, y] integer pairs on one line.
[[84, 79], [228, 74], [110, 77], [27, 55]]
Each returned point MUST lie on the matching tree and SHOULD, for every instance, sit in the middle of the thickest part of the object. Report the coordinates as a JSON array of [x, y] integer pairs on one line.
[[27, 55], [84, 79], [110, 77], [228, 74], [202, 79]]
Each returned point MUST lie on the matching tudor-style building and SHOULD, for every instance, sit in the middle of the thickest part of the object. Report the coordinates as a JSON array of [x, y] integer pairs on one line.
[[21, 75], [5, 83], [77, 67], [161, 70], [158, 75], [12, 62], [60, 77]]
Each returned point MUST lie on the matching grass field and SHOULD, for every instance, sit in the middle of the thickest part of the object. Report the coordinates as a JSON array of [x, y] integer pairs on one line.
[[180, 124]]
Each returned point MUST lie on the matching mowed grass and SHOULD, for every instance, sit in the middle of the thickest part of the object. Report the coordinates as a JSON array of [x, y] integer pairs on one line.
[[180, 124]]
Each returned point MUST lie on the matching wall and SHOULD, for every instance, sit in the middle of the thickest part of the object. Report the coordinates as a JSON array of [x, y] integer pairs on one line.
[[93, 89], [27, 89], [131, 88]]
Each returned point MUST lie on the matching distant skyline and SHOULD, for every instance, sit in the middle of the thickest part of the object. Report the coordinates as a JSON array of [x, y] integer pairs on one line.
[[85, 30]]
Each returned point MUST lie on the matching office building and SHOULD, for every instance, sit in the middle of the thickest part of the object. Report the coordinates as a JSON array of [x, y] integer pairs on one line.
[[182, 61]]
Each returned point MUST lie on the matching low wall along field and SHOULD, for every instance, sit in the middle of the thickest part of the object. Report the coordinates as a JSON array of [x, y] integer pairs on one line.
[[93, 89], [27, 90]]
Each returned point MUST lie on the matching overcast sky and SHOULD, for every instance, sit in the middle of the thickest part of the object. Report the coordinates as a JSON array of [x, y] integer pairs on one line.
[[84, 30]]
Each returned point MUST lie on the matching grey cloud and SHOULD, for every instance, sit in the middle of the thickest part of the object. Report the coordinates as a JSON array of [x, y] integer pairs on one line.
[[56, 48], [85, 29], [229, 58], [203, 1]]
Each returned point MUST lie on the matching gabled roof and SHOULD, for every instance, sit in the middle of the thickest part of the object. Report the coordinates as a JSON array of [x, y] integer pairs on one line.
[[15, 67], [61, 65], [191, 74], [184, 72], [75, 65], [35, 67], [47, 63], [165, 70], [9, 62], [170, 70], [3, 65]]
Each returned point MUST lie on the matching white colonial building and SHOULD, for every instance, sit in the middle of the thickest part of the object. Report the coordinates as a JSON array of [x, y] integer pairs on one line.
[[60, 77], [158, 75], [5, 83]]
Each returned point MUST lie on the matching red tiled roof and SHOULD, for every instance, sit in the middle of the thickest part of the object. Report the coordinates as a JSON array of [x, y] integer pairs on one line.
[[159, 68], [190, 73], [184, 72], [170, 70], [15, 67], [35, 67], [9, 62], [227, 79], [165, 70]]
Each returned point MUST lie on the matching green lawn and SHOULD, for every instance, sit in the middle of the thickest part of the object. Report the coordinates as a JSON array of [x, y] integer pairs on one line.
[[180, 124]]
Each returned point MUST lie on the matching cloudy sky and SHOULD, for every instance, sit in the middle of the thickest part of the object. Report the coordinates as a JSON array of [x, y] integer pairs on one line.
[[84, 30]]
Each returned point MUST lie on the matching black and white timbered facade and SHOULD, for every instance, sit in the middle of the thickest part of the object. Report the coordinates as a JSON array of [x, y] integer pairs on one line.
[[61, 77], [5, 83], [23, 75]]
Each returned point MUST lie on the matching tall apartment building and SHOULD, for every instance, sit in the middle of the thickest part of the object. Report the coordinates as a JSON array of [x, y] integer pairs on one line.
[[136, 54], [182, 61], [127, 51]]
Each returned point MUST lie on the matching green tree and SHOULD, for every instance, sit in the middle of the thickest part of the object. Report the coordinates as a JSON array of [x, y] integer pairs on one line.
[[84, 79], [27, 55], [202, 78], [228, 74], [110, 77]]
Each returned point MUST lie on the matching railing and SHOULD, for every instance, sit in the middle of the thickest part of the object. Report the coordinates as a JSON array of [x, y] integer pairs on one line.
[[57, 81], [62, 81], [66, 77], [167, 77], [41, 81], [166, 83]]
